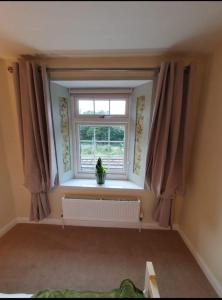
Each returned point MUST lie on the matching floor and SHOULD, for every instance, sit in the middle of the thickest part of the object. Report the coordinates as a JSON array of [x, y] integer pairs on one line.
[[34, 257]]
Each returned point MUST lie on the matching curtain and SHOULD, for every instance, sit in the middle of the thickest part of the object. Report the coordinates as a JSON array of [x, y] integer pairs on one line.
[[36, 133], [169, 138]]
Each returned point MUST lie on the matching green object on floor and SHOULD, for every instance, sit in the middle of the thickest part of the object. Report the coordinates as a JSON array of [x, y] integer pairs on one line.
[[126, 290]]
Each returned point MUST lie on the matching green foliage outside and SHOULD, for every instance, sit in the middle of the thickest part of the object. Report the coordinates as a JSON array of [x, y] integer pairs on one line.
[[101, 134], [103, 149]]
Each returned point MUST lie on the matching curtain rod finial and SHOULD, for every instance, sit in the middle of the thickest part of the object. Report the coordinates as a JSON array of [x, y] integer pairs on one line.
[[10, 69]]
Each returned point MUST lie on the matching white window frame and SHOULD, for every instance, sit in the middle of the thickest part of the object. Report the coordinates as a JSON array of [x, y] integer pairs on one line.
[[106, 120], [101, 96]]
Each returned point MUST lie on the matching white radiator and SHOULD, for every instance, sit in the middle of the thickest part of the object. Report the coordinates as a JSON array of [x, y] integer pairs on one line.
[[104, 213]]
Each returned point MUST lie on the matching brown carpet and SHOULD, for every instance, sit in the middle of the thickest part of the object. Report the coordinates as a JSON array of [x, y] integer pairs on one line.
[[34, 257]]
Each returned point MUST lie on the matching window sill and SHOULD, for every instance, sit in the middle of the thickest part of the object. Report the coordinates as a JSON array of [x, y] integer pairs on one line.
[[109, 184]]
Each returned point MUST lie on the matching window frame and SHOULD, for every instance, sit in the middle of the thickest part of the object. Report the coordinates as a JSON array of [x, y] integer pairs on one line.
[[95, 119], [100, 96]]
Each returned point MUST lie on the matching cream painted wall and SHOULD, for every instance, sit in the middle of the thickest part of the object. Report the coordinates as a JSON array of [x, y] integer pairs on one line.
[[11, 140], [7, 209], [9, 122], [198, 215], [201, 211]]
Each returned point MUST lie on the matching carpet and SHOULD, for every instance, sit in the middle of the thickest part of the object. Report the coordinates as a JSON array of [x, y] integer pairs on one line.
[[34, 257]]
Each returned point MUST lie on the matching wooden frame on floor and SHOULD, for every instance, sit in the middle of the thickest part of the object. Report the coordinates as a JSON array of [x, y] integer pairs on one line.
[[150, 286]]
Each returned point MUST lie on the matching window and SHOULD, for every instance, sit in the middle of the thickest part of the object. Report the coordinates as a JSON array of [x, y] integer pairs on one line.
[[107, 142], [112, 107], [101, 130], [100, 121]]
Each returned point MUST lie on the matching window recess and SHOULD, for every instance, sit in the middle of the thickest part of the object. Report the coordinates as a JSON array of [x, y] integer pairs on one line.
[[111, 123]]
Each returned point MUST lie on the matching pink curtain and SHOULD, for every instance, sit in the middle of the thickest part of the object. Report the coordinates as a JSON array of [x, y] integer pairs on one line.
[[36, 133], [169, 140]]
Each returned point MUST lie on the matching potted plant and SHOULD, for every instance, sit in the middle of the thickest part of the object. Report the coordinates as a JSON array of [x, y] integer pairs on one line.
[[100, 172]]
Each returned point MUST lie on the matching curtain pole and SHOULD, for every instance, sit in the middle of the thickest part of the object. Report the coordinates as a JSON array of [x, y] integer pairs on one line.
[[10, 69]]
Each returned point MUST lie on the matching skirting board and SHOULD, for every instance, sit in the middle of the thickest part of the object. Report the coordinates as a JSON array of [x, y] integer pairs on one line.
[[7, 227], [89, 223], [210, 276]]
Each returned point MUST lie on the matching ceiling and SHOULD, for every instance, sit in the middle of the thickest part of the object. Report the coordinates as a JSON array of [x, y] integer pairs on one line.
[[101, 83], [73, 27]]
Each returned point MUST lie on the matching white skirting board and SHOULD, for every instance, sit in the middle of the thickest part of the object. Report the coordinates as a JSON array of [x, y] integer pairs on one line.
[[7, 227], [92, 223], [210, 276]]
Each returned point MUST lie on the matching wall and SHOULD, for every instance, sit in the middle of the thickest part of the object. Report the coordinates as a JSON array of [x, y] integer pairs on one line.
[[7, 209], [55, 196], [201, 210], [10, 132], [8, 116], [199, 214]]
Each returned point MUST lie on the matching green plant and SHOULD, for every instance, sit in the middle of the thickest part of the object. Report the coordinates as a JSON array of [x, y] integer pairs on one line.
[[100, 172], [99, 167]]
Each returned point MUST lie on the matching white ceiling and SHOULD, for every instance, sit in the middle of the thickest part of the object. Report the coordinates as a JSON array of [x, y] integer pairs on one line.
[[101, 83], [69, 27]]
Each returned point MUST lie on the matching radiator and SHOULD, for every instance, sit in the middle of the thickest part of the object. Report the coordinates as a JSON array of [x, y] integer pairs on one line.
[[100, 212]]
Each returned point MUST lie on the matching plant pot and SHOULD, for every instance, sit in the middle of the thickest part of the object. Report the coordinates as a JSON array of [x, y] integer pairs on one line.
[[100, 178]]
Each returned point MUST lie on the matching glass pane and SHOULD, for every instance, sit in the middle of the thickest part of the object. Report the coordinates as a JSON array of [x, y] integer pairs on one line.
[[86, 133], [86, 148], [116, 156], [112, 155], [87, 161], [117, 107], [102, 133], [102, 149], [102, 107], [116, 149], [86, 107], [107, 143], [117, 133]]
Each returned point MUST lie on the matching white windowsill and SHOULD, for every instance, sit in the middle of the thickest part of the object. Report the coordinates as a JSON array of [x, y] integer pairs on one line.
[[109, 184]]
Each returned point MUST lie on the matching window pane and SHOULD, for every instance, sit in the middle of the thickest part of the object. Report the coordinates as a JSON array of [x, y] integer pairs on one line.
[[87, 160], [86, 148], [102, 133], [86, 107], [117, 148], [117, 133], [86, 133], [117, 107], [102, 149], [117, 156], [107, 143], [102, 107], [112, 155]]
